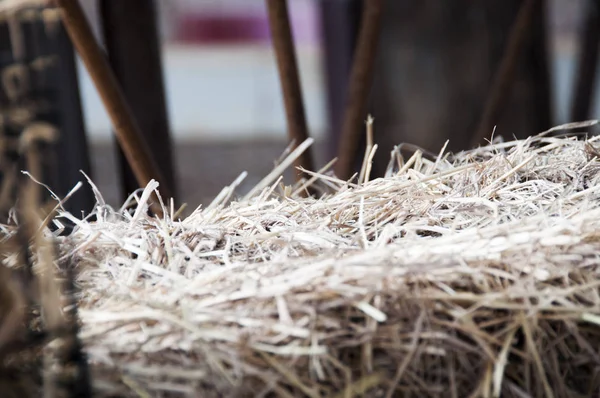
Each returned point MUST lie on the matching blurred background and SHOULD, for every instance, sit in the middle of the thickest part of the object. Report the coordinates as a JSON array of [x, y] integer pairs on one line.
[[435, 63]]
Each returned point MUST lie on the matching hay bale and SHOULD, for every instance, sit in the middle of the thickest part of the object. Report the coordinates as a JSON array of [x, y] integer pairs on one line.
[[474, 274]]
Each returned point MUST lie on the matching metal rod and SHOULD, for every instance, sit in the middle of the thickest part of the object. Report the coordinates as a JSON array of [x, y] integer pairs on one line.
[[505, 73], [585, 79], [127, 131], [361, 78], [285, 54]]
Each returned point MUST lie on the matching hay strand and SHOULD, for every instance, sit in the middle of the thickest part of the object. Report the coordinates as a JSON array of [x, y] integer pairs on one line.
[[468, 274]]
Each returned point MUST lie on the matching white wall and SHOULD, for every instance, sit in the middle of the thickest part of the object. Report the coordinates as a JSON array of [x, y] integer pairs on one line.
[[223, 93]]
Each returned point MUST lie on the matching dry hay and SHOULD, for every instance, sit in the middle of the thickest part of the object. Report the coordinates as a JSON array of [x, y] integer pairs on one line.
[[473, 274]]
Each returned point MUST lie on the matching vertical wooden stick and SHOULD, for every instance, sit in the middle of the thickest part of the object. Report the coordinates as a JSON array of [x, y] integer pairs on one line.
[[585, 79], [506, 71], [285, 54], [127, 132], [131, 39], [361, 78], [340, 24]]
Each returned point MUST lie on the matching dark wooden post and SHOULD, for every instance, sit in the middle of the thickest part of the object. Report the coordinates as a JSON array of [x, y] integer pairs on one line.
[[506, 71], [133, 46], [285, 54], [435, 69], [41, 50], [72, 148], [340, 21], [127, 130], [359, 87], [585, 78]]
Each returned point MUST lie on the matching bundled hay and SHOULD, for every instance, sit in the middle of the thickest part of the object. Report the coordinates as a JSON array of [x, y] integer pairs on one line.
[[473, 274]]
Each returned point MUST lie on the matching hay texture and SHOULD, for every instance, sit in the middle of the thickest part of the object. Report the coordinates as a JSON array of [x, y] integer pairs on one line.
[[475, 274]]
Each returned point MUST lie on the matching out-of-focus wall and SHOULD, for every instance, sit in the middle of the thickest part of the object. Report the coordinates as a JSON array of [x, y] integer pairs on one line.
[[222, 79], [220, 72]]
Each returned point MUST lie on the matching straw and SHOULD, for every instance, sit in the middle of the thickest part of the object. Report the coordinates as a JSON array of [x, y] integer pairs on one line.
[[472, 274]]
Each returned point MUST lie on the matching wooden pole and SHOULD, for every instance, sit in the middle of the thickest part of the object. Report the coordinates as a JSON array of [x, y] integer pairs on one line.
[[285, 54], [505, 73], [133, 45], [361, 78], [73, 154], [585, 79], [340, 22], [127, 132]]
